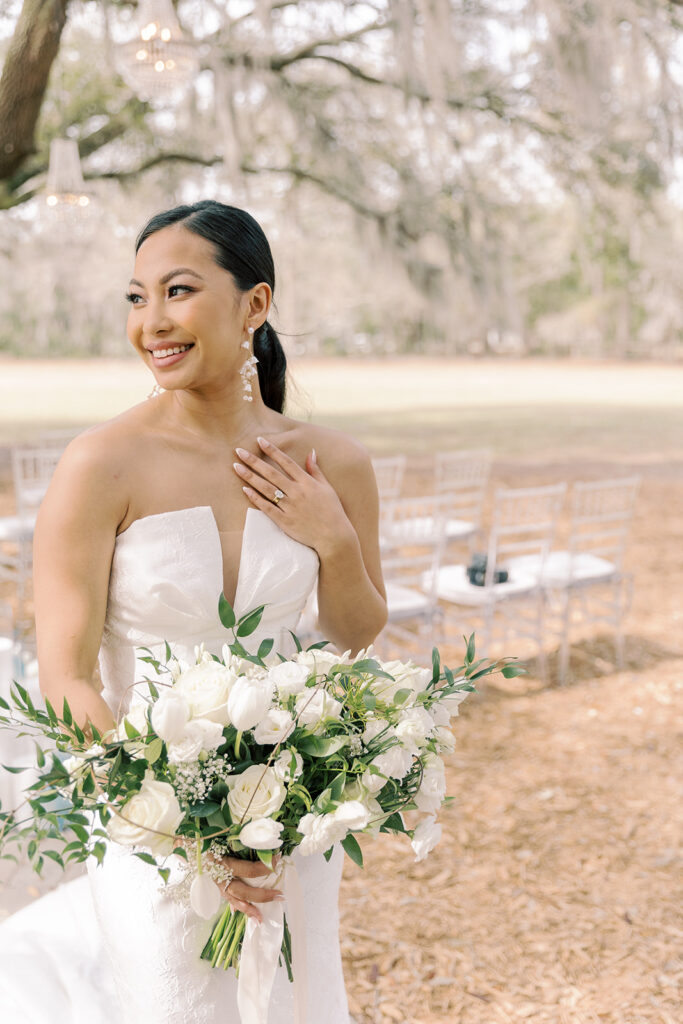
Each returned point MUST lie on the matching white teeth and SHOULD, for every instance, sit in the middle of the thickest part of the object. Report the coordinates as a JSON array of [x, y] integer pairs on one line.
[[161, 353]]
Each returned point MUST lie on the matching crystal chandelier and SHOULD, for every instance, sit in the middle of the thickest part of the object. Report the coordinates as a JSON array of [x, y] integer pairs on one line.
[[65, 193], [160, 61]]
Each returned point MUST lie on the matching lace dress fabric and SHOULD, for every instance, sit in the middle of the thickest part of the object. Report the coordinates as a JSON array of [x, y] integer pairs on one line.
[[164, 586]]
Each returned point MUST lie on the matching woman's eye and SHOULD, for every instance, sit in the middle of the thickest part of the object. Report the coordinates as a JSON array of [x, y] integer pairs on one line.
[[182, 287], [133, 297]]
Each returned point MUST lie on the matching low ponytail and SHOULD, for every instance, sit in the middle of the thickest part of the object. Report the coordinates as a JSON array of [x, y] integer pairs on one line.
[[271, 366]]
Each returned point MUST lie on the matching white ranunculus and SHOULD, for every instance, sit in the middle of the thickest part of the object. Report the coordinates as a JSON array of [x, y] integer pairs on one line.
[[170, 715], [432, 791], [426, 836], [414, 727], [313, 706], [249, 701], [320, 832], [282, 765], [155, 807], [199, 734], [256, 793], [445, 740], [262, 834], [357, 791], [372, 782], [353, 814], [205, 896], [407, 676], [206, 688], [375, 726], [395, 762], [449, 704], [275, 726], [289, 677], [318, 662]]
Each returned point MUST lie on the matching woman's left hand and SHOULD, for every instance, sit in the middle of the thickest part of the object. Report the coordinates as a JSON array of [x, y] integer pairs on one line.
[[309, 509]]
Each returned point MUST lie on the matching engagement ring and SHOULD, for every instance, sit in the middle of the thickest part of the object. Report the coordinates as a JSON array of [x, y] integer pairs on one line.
[[277, 496]]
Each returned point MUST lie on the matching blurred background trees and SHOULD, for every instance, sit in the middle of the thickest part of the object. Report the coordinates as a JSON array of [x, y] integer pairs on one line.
[[457, 176]]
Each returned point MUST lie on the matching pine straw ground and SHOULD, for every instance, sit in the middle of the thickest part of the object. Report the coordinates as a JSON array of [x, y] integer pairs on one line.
[[555, 893]]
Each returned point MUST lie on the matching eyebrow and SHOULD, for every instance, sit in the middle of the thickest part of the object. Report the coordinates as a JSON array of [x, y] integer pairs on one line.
[[167, 277]]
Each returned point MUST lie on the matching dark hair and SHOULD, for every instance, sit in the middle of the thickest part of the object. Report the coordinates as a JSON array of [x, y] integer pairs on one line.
[[242, 249]]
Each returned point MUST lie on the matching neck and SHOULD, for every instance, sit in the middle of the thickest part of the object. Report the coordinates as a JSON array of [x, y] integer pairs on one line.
[[220, 414]]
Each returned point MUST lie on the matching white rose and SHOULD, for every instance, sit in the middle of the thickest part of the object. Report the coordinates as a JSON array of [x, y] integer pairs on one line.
[[282, 765], [176, 667], [407, 676], [432, 791], [395, 762], [318, 662], [206, 688], [426, 836], [320, 832], [356, 791], [256, 793], [445, 740], [414, 727], [353, 814], [170, 715], [154, 807], [312, 706], [262, 834], [199, 734], [75, 766], [205, 896], [249, 701], [289, 677], [274, 727]]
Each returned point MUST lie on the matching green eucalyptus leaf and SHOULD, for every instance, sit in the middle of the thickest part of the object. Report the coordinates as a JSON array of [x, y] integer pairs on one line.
[[510, 671], [353, 850], [225, 612], [469, 656], [249, 623], [265, 647], [436, 665], [153, 750]]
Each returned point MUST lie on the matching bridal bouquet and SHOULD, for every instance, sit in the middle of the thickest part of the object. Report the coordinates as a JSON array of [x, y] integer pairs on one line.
[[247, 756]]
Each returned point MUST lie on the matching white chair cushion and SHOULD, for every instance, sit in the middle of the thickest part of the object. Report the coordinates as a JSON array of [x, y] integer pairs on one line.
[[17, 527], [561, 570], [453, 586], [406, 603]]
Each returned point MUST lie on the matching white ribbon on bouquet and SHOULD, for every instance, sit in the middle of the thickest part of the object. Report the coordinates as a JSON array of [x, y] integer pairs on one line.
[[262, 944]]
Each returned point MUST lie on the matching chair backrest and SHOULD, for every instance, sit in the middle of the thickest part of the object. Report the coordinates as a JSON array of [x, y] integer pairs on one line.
[[58, 438], [32, 470], [464, 476], [601, 514], [416, 530], [389, 472], [524, 523]]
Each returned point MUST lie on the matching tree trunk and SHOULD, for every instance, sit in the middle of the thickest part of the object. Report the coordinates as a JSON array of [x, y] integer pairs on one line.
[[24, 79]]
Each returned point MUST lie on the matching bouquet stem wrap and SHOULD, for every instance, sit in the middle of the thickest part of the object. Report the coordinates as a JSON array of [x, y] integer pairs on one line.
[[262, 944]]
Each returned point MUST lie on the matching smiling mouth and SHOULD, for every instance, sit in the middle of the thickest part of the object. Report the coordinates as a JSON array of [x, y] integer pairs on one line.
[[165, 353]]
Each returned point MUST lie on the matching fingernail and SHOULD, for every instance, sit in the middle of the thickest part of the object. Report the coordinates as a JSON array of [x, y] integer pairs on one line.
[[262, 441], [247, 490], [241, 452], [314, 457]]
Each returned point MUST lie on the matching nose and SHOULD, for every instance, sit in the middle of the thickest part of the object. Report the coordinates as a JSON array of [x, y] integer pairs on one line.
[[156, 321]]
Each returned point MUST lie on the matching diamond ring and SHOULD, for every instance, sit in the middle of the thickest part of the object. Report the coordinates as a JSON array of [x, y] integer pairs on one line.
[[278, 496]]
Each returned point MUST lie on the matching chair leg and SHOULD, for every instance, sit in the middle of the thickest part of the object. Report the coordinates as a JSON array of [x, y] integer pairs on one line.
[[565, 647]]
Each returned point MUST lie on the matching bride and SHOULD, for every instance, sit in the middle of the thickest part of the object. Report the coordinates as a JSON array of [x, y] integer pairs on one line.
[[206, 487]]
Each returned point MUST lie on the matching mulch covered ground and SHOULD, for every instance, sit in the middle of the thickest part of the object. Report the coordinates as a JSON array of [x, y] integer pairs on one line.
[[555, 893]]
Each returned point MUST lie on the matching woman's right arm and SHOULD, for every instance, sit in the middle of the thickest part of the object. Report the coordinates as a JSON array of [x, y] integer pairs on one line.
[[73, 547]]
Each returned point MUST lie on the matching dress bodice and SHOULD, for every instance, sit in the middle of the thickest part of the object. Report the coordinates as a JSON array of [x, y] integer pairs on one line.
[[165, 581]]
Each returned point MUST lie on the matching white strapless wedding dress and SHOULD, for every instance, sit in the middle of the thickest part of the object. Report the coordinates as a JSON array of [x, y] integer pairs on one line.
[[123, 949]]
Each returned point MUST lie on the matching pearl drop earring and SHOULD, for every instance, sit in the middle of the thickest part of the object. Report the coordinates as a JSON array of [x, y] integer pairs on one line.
[[248, 369]]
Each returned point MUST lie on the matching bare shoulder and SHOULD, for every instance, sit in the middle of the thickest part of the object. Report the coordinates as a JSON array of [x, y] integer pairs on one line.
[[96, 469], [345, 461]]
